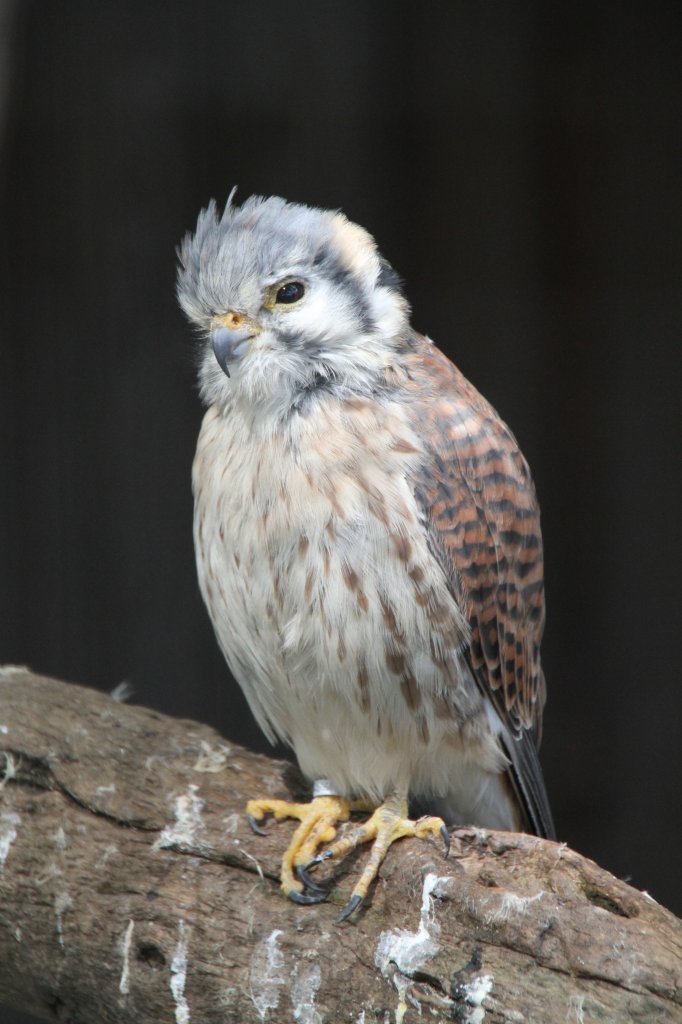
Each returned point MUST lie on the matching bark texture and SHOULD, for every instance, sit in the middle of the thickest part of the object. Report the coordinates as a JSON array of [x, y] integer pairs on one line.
[[132, 890]]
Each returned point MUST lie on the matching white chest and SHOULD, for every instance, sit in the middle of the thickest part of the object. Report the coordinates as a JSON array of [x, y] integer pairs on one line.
[[314, 565]]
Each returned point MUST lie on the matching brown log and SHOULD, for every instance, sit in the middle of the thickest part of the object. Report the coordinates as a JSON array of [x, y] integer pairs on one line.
[[132, 890]]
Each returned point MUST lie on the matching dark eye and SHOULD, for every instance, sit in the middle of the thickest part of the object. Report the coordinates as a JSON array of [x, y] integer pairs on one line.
[[290, 292]]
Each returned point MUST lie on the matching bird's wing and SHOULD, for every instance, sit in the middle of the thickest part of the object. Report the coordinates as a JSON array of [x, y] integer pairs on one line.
[[483, 522]]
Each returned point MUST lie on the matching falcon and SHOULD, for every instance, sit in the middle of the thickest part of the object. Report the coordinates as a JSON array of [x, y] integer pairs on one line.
[[367, 541]]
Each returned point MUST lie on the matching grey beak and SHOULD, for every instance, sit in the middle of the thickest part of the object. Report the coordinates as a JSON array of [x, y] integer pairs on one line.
[[229, 345]]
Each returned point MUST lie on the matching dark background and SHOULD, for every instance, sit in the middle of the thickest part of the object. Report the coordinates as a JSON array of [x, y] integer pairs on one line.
[[519, 165]]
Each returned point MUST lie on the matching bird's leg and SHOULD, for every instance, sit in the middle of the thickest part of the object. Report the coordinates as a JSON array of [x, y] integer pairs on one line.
[[319, 820], [388, 823]]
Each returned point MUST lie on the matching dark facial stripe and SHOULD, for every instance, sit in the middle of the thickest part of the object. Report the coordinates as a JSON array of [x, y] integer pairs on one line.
[[343, 278], [388, 278]]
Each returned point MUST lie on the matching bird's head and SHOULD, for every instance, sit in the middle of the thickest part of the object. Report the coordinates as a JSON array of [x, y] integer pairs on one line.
[[288, 300]]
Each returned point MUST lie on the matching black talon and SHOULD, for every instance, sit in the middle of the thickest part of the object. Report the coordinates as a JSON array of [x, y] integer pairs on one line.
[[353, 903], [306, 898], [255, 827], [446, 839], [301, 872]]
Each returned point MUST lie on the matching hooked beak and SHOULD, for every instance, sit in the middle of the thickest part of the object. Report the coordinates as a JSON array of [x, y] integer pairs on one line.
[[230, 335], [228, 345]]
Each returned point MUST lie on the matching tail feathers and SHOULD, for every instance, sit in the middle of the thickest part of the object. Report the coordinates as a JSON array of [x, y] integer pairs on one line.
[[514, 800], [526, 778]]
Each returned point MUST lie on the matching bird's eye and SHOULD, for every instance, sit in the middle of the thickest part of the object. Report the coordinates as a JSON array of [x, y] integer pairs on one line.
[[290, 292]]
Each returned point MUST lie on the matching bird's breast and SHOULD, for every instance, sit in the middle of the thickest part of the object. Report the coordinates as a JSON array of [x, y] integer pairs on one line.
[[314, 565]]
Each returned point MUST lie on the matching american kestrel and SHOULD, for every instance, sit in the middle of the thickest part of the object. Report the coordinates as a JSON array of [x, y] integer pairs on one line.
[[367, 539]]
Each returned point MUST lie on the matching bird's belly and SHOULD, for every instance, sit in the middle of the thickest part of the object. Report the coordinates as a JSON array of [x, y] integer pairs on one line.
[[335, 619]]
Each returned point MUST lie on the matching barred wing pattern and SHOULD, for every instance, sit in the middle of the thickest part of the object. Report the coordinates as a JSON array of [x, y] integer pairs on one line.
[[484, 529]]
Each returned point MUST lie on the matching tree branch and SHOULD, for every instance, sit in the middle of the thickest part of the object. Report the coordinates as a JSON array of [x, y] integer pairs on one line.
[[132, 890]]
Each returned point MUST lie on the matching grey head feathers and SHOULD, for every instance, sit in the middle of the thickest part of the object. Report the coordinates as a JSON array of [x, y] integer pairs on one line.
[[350, 321]]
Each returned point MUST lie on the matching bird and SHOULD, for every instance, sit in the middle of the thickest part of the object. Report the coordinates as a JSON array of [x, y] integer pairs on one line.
[[367, 541]]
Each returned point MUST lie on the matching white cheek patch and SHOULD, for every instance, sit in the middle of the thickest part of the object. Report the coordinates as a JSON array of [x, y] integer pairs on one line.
[[389, 311], [325, 315]]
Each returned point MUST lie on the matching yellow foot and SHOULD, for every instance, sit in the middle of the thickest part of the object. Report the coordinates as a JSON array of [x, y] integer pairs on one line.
[[318, 820], [388, 823]]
